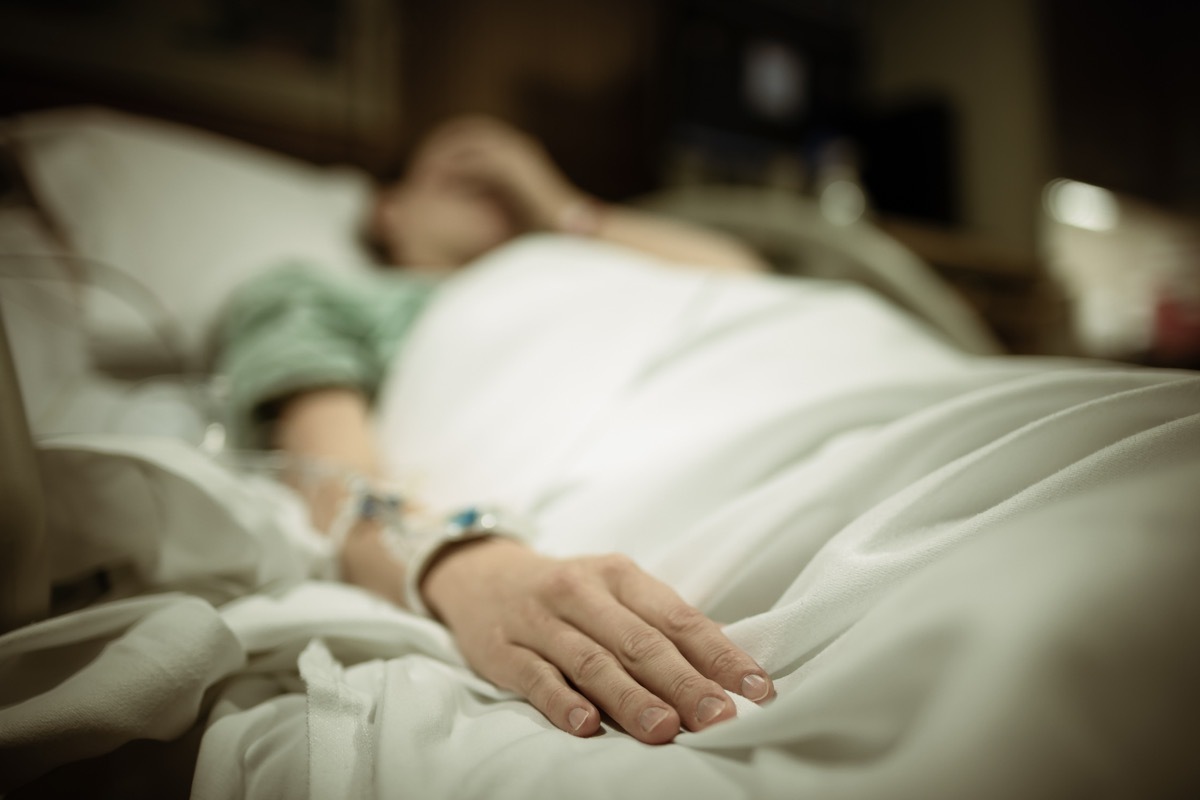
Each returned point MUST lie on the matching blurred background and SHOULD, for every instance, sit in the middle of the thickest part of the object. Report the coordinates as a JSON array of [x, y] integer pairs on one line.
[[1044, 157]]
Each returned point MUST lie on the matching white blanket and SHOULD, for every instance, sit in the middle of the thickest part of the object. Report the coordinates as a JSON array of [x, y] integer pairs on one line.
[[968, 577]]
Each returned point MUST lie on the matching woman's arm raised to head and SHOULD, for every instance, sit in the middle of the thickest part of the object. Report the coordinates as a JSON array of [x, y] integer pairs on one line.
[[515, 168]]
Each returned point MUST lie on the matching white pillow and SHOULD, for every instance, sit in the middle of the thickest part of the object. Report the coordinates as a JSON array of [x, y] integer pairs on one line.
[[185, 214]]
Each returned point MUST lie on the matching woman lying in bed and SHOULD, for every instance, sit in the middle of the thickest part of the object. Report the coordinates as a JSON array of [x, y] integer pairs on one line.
[[576, 636]]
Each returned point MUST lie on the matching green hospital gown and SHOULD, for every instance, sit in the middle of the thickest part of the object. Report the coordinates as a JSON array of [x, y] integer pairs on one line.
[[295, 328]]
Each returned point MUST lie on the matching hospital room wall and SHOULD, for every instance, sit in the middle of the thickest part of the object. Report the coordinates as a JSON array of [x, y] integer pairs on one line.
[[587, 76], [985, 58], [579, 75], [317, 79]]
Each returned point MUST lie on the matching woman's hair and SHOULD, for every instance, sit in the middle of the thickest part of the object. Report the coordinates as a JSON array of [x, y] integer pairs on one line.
[[372, 240], [370, 229]]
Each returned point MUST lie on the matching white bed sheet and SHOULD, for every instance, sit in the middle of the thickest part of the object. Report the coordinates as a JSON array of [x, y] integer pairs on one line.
[[968, 577], [944, 561]]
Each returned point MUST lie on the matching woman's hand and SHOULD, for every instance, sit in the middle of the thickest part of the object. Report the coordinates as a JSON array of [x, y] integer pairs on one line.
[[496, 158], [580, 636], [484, 156]]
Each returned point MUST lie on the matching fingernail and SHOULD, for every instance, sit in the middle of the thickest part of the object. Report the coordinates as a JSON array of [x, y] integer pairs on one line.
[[709, 709], [651, 717], [577, 717], [755, 687]]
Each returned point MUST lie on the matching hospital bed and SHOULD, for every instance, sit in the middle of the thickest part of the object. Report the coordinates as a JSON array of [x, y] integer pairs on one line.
[[970, 575]]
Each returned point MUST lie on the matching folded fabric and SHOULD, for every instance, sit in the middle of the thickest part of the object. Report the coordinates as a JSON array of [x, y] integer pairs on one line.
[[82, 685], [151, 515]]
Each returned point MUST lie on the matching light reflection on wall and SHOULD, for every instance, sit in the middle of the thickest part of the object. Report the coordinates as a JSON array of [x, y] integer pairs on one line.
[[1082, 205], [1130, 270]]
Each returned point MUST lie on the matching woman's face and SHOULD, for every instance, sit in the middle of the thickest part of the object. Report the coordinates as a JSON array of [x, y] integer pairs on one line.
[[430, 219]]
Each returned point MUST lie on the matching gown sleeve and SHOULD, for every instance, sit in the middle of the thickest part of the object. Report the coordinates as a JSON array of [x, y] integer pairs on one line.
[[296, 328]]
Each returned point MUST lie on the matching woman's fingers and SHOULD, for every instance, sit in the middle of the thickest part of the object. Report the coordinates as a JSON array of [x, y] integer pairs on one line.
[[697, 638], [581, 636], [538, 681], [626, 645], [647, 655], [596, 672]]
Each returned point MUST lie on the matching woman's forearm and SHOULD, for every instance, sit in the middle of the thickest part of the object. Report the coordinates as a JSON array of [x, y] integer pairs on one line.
[[569, 210], [674, 241], [329, 433], [515, 168], [329, 427], [331, 424]]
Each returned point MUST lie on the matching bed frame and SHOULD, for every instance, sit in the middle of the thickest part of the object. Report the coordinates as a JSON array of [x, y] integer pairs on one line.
[[791, 232], [24, 577]]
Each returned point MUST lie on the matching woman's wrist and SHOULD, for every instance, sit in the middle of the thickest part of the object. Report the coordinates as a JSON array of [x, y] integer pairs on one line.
[[449, 580]]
